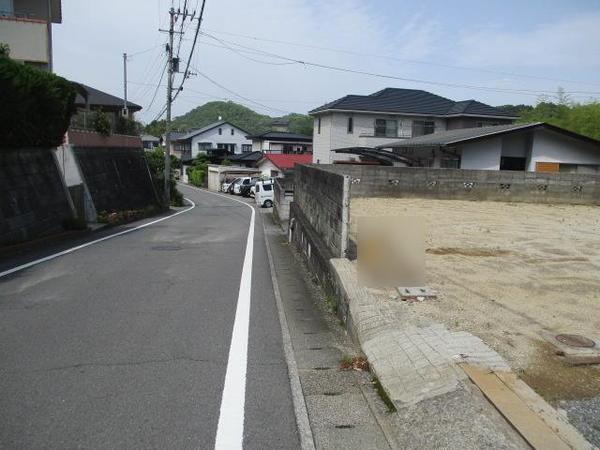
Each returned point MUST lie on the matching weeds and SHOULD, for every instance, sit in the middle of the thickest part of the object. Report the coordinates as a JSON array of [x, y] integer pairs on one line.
[[383, 395]]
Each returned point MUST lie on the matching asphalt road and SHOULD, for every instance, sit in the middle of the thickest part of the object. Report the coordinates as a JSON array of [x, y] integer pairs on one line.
[[125, 343]]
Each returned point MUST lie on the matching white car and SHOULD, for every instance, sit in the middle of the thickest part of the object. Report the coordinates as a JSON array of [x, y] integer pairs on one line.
[[237, 185], [263, 193]]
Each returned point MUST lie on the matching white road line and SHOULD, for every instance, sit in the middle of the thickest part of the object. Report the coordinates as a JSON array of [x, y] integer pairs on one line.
[[87, 244], [230, 430]]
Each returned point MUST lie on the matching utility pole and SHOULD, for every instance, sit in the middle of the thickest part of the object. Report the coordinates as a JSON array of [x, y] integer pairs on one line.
[[167, 191], [125, 108]]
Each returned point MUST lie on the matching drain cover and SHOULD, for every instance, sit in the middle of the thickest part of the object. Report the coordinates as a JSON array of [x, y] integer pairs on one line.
[[575, 340]]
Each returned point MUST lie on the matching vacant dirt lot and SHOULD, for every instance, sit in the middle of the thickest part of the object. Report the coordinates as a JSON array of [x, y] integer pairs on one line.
[[507, 271]]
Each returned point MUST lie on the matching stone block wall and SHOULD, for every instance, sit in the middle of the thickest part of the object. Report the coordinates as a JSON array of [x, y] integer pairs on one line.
[[457, 184], [33, 199], [320, 195], [117, 178]]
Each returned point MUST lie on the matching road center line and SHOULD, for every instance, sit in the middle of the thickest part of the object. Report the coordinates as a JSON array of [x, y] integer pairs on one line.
[[87, 244], [230, 430]]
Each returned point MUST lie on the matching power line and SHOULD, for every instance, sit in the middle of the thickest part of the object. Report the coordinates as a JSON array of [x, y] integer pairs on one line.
[[158, 85], [238, 95], [189, 60], [410, 61], [393, 77]]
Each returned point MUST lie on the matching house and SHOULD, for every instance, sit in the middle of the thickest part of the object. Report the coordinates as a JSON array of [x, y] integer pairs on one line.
[[26, 26], [275, 165], [281, 142], [246, 159], [391, 114], [534, 147], [218, 137], [90, 100], [150, 142]]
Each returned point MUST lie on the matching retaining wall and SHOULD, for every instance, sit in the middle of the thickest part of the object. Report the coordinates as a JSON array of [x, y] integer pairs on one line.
[[117, 178], [33, 198], [457, 184], [321, 196]]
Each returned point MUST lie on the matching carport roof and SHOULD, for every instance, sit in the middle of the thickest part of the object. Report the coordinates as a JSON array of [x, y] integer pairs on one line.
[[459, 136]]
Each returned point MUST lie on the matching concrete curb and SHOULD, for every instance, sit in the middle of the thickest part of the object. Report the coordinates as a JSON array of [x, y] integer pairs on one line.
[[306, 436], [413, 363]]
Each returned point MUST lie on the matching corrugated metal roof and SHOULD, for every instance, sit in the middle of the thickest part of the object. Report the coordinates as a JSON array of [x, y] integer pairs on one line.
[[411, 101]]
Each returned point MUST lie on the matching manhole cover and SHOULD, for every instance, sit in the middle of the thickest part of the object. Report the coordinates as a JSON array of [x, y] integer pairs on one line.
[[575, 340]]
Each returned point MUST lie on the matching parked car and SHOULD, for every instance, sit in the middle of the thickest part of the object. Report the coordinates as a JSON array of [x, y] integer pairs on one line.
[[246, 190], [263, 193], [226, 184], [232, 185], [243, 181]]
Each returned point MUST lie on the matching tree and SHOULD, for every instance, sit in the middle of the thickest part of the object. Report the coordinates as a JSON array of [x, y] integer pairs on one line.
[[101, 122], [199, 170], [156, 164], [36, 106]]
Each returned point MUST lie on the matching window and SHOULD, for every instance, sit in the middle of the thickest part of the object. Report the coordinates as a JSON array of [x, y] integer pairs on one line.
[[422, 127], [386, 128], [220, 130], [267, 187], [350, 125], [513, 163], [274, 173], [246, 148], [204, 147], [319, 125], [232, 131], [6, 7]]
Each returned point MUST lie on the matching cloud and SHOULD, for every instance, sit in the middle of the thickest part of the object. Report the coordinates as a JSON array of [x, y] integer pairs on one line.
[[570, 42]]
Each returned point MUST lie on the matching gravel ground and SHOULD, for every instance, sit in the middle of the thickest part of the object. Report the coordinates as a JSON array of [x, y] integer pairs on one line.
[[585, 415]]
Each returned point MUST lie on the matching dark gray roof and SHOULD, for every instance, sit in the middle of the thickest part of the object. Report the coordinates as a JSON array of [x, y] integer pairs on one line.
[[96, 97], [411, 101], [250, 156], [196, 131], [452, 137], [282, 136]]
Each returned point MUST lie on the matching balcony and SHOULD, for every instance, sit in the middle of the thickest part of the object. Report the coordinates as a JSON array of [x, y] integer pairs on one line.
[[27, 38]]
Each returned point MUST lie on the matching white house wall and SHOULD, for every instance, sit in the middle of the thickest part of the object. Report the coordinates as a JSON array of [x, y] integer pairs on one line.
[[549, 146], [334, 133], [266, 166], [482, 155], [516, 145], [213, 137]]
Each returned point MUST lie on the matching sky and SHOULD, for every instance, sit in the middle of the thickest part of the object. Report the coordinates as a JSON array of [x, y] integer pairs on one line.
[[497, 52]]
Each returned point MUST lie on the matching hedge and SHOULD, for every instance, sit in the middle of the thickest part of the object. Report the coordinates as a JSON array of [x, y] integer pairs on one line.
[[36, 106]]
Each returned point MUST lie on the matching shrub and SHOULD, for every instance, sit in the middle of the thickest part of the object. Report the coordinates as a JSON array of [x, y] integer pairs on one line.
[[101, 123], [36, 106], [156, 164]]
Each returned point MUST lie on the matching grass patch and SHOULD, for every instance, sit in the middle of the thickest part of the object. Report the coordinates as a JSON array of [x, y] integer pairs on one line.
[[383, 395]]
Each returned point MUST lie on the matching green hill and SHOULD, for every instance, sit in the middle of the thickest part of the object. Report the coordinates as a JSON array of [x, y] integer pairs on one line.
[[235, 113]]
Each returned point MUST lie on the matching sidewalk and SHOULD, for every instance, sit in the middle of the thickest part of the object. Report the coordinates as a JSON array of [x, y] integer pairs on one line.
[[344, 410]]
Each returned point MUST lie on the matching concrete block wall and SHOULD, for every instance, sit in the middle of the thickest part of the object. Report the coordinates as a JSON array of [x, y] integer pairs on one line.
[[284, 194], [33, 198], [117, 178], [319, 194], [456, 184]]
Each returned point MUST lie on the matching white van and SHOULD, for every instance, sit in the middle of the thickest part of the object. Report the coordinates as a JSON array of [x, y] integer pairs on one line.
[[263, 193]]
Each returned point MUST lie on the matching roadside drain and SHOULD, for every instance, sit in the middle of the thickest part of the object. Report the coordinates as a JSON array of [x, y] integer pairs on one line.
[[344, 426], [321, 368], [315, 348], [167, 248], [332, 394]]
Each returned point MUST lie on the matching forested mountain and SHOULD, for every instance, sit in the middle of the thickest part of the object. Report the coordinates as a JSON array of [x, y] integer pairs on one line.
[[239, 115]]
